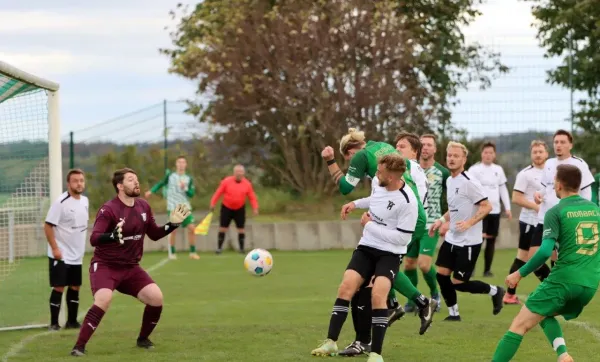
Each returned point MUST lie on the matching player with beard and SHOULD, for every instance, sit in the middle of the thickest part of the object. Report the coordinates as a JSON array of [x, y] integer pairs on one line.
[[526, 184], [118, 237], [546, 198], [467, 206]]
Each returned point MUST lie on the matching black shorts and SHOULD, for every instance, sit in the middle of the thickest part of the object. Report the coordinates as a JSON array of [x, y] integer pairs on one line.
[[460, 259], [525, 235], [536, 238], [63, 275], [491, 224], [370, 262], [238, 216]]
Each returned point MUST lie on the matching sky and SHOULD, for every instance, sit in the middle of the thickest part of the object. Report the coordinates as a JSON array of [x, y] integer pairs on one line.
[[105, 56]]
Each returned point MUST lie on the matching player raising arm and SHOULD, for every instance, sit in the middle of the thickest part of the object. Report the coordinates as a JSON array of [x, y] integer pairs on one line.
[[526, 184], [118, 237], [388, 228], [572, 225], [467, 206]]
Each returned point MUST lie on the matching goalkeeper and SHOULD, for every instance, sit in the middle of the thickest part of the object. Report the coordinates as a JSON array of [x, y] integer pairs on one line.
[[118, 237], [179, 189]]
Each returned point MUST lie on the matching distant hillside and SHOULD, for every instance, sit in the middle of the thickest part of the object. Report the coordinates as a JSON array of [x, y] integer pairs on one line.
[[17, 159]]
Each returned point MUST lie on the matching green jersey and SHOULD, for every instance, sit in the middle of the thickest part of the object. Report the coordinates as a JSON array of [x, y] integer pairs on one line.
[[364, 162], [436, 177], [573, 225], [178, 189], [595, 187]]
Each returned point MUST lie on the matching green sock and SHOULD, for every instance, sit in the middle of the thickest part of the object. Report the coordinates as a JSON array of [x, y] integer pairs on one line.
[[404, 286], [172, 249], [192, 248], [554, 334], [412, 276], [507, 347], [431, 280]]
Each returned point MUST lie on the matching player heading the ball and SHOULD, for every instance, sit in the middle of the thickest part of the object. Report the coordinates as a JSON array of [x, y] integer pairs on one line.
[[118, 237]]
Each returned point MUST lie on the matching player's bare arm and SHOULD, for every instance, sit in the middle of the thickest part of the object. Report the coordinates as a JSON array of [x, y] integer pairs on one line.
[[334, 170], [519, 199], [484, 209], [49, 232]]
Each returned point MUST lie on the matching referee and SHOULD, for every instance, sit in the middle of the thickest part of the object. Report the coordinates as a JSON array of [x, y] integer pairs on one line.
[[66, 230], [234, 190]]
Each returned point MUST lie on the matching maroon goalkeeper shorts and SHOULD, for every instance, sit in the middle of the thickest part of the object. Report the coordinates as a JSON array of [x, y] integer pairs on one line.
[[128, 280]]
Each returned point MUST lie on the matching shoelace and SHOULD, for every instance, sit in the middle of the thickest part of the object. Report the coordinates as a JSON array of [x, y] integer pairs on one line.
[[356, 346]]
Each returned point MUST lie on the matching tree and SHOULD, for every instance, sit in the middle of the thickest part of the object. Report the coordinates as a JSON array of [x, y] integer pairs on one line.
[[568, 29], [287, 78]]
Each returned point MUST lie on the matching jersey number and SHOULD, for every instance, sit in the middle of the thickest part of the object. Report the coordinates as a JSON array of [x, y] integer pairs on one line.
[[587, 234]]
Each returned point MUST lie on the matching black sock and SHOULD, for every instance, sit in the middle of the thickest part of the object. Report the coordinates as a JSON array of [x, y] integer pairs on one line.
[[241, 239], [380, 324], [221, 240], [55, 301], [542, 272], [473, 287], [72, 304], [392, 302], [362, 315], [516, 265], [552, 262], [447, 289], [338, 317], [490, 246]]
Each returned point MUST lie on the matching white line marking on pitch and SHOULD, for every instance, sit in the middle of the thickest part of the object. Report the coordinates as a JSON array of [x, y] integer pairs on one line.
[[18, 347]]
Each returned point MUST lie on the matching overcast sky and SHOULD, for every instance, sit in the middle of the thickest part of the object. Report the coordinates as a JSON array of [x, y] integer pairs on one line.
[[105, 56]]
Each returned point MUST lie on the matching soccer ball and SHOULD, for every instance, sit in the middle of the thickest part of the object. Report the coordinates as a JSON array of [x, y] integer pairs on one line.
[[258, 262]]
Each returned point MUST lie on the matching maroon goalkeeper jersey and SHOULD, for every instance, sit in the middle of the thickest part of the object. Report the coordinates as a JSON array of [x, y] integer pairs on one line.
[[139, 221]]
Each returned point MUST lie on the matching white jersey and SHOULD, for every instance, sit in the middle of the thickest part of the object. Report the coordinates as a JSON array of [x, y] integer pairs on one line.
[[69, 218], [550, 199], [420, 179], [464, 194], [528, 182], [493, 180], [394, 215]]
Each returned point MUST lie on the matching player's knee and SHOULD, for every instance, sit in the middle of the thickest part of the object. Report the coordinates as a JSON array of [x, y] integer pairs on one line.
[[349, 285], [380, 292], [103, 298], [424, 264], [74, 287], [241, 231], [59, 289], [410, 263], [457, 282]]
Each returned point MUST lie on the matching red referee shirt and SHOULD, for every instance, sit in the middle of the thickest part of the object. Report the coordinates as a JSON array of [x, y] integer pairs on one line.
[[234, 194]]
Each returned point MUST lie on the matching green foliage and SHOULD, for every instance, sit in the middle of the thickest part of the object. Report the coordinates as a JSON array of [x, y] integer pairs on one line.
[[288, 78], [568, 29]]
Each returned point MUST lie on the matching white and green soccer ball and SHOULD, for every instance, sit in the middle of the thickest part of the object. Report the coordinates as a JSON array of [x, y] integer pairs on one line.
[[258, 262]]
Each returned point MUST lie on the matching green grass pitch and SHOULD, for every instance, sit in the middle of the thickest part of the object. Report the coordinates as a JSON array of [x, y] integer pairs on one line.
[[215, 311]]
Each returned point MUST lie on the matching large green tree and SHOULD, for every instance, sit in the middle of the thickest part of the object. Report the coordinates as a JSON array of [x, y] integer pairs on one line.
[[285, 78], [568, 29]]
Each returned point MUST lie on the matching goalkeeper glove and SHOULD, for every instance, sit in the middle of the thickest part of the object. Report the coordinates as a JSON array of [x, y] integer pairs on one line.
[[115, 235], [180, 213]]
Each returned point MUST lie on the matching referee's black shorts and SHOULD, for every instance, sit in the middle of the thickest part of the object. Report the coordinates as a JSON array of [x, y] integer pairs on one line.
[[64, 275], [227, 215]]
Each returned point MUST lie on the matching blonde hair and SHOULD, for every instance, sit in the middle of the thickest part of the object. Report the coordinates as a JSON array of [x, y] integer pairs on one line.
[[536, 143], [453, 144], [353, 139], [393, 162]]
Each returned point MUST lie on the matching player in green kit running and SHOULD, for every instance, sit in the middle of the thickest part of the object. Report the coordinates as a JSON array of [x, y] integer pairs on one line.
[[572, 225], [178, 188], [363, 156]]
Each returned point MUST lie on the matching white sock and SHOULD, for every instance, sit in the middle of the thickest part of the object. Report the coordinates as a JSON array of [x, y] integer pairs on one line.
[[453, 310], [493, 290]]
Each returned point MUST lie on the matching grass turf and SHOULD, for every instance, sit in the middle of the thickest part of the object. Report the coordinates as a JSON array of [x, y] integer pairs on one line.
[[214, 311]]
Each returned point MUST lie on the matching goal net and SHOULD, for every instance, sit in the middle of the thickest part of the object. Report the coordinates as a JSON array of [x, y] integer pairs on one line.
[[30, 176]]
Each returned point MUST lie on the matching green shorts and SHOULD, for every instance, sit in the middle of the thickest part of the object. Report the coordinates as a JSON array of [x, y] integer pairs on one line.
[[552, 298], [422, 244], [188, 220]]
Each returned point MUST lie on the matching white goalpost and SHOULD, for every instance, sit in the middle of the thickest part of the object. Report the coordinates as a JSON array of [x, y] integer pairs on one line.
[[30, 176]]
